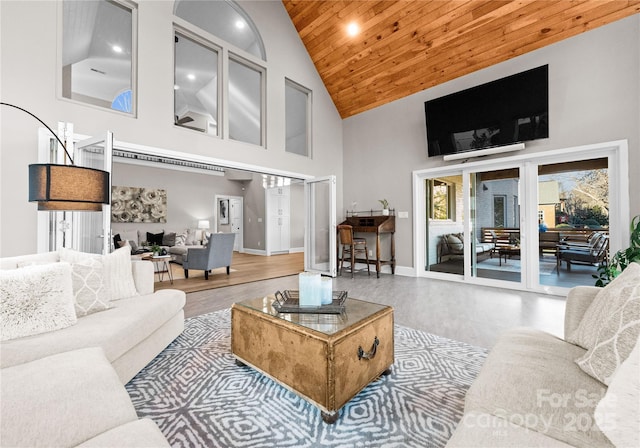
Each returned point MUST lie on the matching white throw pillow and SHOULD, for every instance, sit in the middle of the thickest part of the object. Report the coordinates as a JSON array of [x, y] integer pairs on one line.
[[618, 413], [35, 299], [117, 270], [119, 275], [191, 237], [609, 299], [619, 330], [89, 289], [181, 239]]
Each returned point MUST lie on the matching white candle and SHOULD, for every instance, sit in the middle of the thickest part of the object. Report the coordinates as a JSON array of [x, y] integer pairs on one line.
[[326, 291], [309, 289]]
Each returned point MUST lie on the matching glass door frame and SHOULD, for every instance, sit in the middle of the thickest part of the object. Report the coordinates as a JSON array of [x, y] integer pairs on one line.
[[106, 142], [311, 232], [617, 154], [471, 235]]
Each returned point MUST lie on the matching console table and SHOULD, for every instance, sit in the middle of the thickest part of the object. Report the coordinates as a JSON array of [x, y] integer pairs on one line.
[[378, 224]]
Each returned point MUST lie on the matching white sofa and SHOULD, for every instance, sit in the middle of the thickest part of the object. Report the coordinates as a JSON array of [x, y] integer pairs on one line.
[[65, 387], [531, 392]]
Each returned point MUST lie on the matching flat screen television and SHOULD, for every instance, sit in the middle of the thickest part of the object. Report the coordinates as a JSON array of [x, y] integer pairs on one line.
[[502, 112]]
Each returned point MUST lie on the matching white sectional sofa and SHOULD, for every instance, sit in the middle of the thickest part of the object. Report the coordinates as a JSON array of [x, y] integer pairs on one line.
[[533, 390], [66, 387]]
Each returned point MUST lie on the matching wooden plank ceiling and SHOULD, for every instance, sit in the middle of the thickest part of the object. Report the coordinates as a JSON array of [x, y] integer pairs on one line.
[[404, 47]]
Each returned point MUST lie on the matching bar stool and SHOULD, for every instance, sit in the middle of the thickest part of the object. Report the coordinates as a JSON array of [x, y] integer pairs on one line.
[[351, 246]]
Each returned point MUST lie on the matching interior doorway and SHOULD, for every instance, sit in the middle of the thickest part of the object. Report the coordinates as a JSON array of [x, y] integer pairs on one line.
[[229, 218]]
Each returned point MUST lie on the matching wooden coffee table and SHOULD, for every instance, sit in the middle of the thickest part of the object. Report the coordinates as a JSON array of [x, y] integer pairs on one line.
[[327, 359]]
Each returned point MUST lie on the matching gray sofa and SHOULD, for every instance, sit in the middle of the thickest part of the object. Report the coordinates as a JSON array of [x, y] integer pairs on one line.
[[72, 379], [176, 243], [531, 393]]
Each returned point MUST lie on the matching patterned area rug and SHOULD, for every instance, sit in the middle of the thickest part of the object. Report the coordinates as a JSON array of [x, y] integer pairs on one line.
[[198, 396]]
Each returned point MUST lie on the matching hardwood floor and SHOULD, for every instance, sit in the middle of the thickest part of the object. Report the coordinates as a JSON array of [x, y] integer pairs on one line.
[[245, 268]]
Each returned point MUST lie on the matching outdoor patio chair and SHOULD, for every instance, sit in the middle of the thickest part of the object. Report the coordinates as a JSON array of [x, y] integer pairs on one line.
[[594, 253]]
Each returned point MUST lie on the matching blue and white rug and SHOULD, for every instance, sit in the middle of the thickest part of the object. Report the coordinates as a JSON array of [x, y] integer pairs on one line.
[[198, 396]]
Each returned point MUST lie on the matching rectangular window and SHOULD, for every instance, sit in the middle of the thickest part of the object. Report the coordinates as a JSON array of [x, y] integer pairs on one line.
[[499, 211], [246, 87], [442, 197], [297, 119], [196, 86], [98, 53]]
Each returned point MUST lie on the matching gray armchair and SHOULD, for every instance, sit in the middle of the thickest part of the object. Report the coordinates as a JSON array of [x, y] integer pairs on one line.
[[216, 254]]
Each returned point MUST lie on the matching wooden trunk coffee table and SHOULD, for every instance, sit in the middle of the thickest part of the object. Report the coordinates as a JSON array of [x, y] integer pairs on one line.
[[327, 359]]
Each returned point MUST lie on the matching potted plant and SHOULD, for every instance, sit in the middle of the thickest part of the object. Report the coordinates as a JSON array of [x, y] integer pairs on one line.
[[156, 250], [385, 206], [622, 258]]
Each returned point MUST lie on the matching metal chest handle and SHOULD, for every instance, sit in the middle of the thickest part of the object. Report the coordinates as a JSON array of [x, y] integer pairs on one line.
[[370, 354]]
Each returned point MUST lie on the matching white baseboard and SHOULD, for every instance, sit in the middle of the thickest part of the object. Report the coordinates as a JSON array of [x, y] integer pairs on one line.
[[296, 250], [255, 252]]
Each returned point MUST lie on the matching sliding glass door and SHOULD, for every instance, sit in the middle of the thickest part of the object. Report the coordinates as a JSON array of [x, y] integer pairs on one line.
[[445, 223], [496, 249], [543, 222], [573, 213], [488, 201]]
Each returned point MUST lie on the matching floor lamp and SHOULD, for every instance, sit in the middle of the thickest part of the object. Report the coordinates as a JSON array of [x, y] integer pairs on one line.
[[66, 187]]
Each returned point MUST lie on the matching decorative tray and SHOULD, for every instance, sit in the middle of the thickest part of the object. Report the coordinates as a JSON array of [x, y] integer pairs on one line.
[[289, 302]]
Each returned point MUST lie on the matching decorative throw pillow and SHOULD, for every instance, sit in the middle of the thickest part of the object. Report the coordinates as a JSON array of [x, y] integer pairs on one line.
[[454, 243], [155, 238], [116, 240], [134, 246], [610, 298], [117, 270], [35, 299], [89, 289], [181, 239], [617, 337], [191, 237], [618, 413], [169, 239]]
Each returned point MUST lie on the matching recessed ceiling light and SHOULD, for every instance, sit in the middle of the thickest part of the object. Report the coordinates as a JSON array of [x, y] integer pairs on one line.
[[116, 49], [176, 87], [353, 29], [191, 76], [240, 24]]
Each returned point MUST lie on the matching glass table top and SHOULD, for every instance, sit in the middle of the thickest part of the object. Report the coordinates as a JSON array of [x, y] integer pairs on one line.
[[355, 311]]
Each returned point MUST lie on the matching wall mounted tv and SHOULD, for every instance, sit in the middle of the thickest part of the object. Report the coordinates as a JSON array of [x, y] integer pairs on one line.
[[502, 112]]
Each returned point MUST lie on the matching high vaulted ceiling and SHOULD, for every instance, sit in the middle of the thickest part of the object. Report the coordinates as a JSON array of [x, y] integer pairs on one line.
[[407, 46]]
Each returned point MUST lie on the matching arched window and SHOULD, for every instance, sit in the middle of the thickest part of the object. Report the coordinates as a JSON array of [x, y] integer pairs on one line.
[[224, 19], [218, 49]]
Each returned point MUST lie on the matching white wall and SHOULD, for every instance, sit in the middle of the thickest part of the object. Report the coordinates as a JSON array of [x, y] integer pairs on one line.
[[190, 196], [29, 78], [594, 96]]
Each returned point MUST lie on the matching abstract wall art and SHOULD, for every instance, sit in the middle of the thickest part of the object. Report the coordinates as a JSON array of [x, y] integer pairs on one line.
[[138, 204]]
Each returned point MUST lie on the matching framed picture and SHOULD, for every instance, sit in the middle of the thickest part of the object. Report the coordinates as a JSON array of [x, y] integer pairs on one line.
[[138, 204], [223, 211]]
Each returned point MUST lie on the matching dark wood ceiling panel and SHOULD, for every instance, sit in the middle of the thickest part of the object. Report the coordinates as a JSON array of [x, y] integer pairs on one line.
[[407, 46]]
